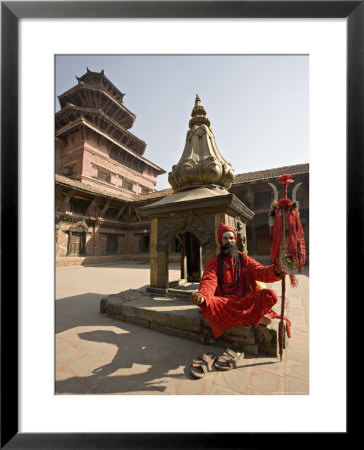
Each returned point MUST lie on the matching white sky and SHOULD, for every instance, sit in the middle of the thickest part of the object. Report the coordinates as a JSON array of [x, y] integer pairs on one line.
[[258, 105]]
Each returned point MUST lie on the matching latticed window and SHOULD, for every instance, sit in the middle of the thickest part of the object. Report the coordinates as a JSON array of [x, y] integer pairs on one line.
[[69, 171], [127, 184], [104, 175]]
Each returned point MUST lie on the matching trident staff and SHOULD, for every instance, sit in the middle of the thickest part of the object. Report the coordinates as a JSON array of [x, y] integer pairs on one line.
[[288, 246]]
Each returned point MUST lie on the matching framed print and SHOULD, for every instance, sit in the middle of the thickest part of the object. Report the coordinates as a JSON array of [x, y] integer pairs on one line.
[[15, 56]]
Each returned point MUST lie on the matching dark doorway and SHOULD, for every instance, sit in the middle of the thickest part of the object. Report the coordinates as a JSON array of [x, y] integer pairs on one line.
[[112, 245], [76, 243], [144, 244], [192, 252]]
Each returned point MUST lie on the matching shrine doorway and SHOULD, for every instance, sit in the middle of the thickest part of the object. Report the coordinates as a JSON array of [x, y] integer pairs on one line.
[[191, 258]]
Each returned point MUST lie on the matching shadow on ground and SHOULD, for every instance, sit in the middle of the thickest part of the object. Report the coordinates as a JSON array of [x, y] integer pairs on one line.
[[141, 364], [143, 358]]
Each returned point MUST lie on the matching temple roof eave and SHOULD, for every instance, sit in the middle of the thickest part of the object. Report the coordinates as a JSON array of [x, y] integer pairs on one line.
[[102, 75], [78, 87], [81, 110], [84, 122], [65, 181]]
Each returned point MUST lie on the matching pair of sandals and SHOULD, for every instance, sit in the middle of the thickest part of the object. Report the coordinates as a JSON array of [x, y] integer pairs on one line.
[[205, 363]]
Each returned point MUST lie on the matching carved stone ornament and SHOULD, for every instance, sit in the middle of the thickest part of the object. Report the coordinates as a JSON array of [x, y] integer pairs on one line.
[[240, 229], [79, 227], [201, 163], [182, 223]]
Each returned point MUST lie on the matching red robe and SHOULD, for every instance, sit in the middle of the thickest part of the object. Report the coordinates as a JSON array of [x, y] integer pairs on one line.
[[233, 310]]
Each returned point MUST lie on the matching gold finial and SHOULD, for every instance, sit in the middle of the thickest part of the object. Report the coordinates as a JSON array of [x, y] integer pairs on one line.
[[198, 114]]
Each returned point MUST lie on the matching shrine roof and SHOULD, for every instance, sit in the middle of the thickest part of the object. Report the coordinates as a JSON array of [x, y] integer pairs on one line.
[[262, 175]]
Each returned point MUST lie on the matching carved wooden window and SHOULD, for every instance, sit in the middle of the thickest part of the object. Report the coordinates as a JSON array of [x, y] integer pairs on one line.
[[144, 191], [127, 184], [69, 170], [79, 206], [103, 175]]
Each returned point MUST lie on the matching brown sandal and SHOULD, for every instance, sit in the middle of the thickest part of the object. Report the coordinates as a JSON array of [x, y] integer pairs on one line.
[[228, 360], [200, 366]]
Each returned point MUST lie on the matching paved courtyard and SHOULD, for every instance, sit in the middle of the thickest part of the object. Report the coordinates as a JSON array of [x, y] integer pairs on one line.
[[96, 354]]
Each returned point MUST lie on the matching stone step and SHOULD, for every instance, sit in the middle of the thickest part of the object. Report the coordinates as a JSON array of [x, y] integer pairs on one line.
[[176, 316]]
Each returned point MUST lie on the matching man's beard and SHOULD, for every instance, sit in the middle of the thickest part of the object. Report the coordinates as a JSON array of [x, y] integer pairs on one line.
[[229, 250]]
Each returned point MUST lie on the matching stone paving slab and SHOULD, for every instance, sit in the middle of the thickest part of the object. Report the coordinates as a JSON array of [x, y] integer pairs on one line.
[[97, 355]]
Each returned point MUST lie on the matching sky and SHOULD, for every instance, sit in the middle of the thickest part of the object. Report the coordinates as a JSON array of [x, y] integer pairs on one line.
[[258, 105]]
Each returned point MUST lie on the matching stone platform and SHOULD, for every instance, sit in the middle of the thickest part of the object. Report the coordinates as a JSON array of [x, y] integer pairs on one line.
[[171, 312]]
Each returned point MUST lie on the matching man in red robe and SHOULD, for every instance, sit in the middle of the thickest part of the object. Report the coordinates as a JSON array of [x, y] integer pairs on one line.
[[229, 295]]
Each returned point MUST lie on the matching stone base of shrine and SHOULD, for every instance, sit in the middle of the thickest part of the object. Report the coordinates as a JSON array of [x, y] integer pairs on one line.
[[175, 315]]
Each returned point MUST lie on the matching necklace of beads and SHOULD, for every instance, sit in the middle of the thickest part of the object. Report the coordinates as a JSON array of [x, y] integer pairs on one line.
[[237, 263]]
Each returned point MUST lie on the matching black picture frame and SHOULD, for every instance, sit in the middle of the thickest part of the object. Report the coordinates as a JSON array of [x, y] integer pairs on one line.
[[11, 13]]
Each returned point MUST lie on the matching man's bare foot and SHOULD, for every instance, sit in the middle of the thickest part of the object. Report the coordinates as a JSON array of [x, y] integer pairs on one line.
[[197, 299], [265, 320]]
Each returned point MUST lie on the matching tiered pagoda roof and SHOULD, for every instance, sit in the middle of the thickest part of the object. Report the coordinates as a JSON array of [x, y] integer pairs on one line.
[[97, 104]]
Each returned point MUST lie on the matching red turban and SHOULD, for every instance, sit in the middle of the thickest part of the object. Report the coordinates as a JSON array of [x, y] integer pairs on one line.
[[223, 229]]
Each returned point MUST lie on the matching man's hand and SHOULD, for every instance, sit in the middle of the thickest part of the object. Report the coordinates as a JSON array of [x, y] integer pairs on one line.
[[197, 299], [278, 270]]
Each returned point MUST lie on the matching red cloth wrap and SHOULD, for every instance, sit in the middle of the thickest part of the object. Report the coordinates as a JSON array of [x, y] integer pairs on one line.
[[295, 236], [223, 229], [233, 310]]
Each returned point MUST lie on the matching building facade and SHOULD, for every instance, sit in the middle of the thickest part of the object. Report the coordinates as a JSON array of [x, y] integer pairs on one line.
[[102, 181], [258, 190]]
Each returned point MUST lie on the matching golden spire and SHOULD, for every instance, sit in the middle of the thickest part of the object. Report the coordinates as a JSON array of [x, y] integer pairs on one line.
[[201, 163], [198, 114]]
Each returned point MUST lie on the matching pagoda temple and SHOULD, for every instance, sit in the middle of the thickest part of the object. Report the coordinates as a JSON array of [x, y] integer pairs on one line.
[[93, 141], [100, 170]]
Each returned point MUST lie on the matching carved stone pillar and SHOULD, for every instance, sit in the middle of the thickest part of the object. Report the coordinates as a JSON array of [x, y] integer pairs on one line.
[[158, 260]]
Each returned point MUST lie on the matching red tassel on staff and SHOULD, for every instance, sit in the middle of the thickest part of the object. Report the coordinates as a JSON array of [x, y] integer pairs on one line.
[[293, 280]]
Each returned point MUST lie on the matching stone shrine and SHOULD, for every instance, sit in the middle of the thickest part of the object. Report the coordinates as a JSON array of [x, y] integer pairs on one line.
[[199, 203]]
